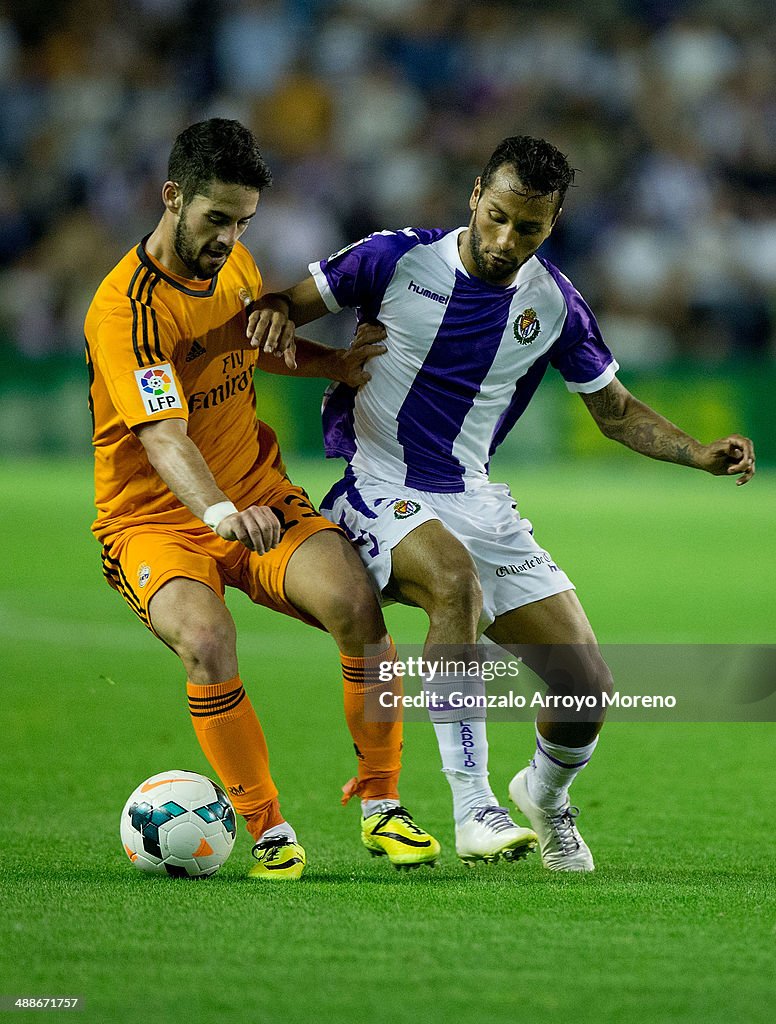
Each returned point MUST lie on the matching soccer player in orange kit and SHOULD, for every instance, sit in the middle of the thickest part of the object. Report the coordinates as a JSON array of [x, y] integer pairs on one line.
[[192, 494]]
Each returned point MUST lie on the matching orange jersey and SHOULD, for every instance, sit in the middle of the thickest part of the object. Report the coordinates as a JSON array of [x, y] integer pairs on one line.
[[159, 346]]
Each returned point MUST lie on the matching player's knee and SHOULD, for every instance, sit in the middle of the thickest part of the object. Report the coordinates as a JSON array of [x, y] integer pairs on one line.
[[579, 671], [604, 678], [598, 678], [351, 613], [595, 679], [205, 645], [455, 585]]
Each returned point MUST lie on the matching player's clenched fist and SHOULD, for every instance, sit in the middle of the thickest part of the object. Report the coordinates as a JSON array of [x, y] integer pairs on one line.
[[257, 527]]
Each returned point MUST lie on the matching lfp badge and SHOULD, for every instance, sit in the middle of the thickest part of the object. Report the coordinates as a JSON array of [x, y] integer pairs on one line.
[[527, 326], [156, 382], [158, 389]]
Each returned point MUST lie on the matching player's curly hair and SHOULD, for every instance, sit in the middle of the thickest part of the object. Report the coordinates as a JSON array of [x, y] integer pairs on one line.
[[216, 150], [541, 167]]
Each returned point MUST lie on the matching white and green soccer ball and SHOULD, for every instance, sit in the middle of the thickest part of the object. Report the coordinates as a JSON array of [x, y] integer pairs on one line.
[[178, 823]]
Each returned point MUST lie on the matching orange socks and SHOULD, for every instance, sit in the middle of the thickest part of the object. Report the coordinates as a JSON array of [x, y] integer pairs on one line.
[[233, 742], [378, 744]]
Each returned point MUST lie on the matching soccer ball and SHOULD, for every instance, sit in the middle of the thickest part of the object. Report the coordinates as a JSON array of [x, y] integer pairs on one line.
[[178, 823]]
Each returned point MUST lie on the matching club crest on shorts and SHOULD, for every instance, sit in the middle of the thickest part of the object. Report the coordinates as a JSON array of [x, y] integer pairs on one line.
[[405, 509], [527, 326], [143, 574], [245, 297]]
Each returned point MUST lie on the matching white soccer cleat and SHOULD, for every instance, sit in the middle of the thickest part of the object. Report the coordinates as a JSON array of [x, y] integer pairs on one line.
[[490, 835], [561, 846]]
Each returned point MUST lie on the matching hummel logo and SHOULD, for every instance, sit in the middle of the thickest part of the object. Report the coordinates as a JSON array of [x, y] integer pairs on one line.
[[427, 293], [195, 352]]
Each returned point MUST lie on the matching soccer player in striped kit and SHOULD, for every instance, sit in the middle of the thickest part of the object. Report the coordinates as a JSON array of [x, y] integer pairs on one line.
[[473, 319], [192, 494]]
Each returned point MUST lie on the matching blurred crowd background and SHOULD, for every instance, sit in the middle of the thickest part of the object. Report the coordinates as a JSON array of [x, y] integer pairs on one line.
[[379, 114]]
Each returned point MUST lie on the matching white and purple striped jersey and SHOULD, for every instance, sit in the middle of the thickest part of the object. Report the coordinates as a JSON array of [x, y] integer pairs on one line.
[[464, 356]]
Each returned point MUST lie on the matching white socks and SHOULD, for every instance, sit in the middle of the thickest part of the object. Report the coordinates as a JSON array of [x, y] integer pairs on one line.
[[553, 769], [377, 806], [463, 746], [283, 829], [463, 742]]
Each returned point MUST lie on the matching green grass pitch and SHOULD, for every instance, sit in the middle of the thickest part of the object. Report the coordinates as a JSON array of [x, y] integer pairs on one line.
[[676, 925]]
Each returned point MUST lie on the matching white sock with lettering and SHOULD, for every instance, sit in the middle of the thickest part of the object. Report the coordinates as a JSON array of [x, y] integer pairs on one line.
[[463, 742], [463, 747], [553, 769]]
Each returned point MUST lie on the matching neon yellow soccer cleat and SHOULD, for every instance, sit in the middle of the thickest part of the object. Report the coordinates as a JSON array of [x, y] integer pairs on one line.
[[393, 834], [277, 860]]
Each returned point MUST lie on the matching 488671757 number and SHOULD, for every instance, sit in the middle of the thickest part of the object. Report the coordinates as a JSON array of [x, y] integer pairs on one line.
[[41, 1003]]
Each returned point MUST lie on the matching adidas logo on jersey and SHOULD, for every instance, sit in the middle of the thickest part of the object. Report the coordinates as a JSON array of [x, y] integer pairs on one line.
[[195, 352]]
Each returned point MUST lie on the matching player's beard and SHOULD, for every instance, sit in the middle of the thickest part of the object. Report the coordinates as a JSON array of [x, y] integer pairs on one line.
[[485, 270], [188, 253]]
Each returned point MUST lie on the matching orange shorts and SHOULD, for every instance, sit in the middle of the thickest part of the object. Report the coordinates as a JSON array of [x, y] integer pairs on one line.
[[140, 560]]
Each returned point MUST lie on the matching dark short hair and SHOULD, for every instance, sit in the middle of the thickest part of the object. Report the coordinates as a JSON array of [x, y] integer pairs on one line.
[[541, 167], [217, 150]]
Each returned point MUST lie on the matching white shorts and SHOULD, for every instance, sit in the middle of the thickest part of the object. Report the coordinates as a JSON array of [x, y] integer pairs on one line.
[[513, 569]]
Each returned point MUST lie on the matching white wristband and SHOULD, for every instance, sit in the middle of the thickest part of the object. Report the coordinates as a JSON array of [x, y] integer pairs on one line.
[[213, 514]]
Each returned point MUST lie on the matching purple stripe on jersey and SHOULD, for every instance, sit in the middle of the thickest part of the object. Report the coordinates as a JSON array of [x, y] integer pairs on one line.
[[339, 433], [445, 387], [359, 274], [579, 352], [524, 392]]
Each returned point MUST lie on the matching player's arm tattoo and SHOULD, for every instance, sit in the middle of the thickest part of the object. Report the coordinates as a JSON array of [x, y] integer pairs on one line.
[[624, 418]]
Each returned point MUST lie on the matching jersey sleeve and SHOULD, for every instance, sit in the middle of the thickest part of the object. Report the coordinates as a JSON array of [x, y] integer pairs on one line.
[[580, 353], [359, 275], [134, 353]]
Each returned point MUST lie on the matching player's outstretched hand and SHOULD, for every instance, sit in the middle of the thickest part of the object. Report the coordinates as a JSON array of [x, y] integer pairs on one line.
[[730, 456], [257, 527], [270, 331], [368, 342]]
